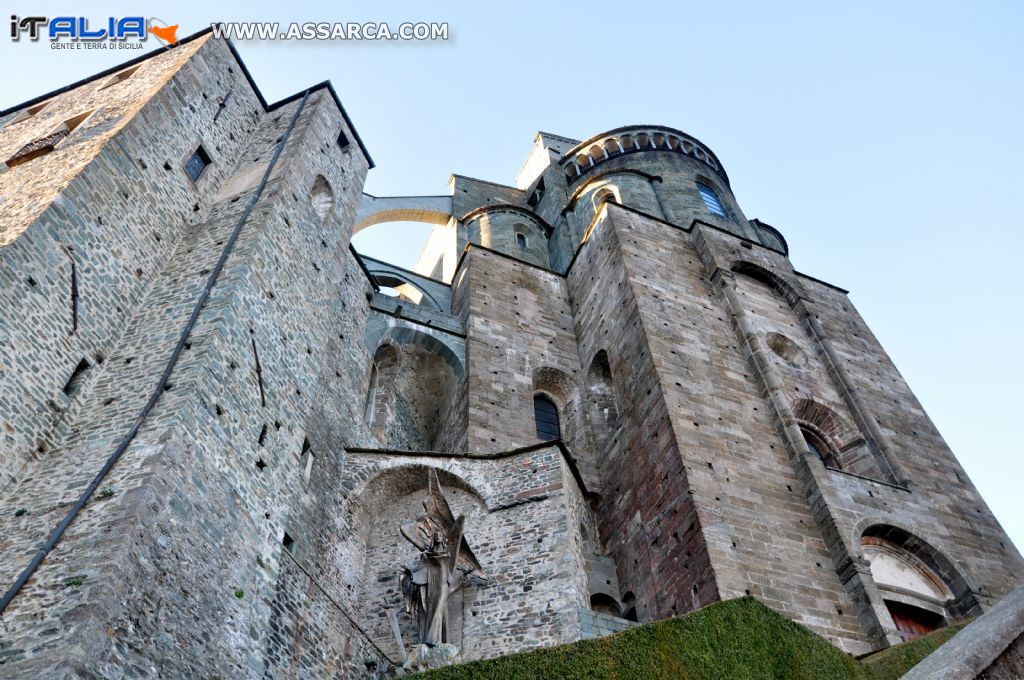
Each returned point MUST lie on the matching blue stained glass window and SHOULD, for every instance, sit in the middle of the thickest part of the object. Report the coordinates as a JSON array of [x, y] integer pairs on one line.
[[711, 199]]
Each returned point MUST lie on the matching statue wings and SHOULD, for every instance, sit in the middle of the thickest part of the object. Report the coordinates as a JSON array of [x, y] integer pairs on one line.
[[438, 518]]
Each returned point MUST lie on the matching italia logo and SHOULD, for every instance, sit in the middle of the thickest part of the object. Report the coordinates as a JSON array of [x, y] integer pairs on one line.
[[82, 29]]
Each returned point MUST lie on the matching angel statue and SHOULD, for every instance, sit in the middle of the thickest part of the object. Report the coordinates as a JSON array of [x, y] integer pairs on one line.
[[444, 565]]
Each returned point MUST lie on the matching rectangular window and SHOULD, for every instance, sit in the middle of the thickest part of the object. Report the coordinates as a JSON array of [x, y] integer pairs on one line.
[[342, 139], [197, 163], [307, 469], [537, 194]]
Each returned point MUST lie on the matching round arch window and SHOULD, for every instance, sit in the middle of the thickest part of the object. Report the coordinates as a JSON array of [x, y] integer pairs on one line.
[[916, 597]]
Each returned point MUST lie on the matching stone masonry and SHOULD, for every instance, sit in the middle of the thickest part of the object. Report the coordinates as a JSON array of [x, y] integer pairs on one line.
[[231, 411]]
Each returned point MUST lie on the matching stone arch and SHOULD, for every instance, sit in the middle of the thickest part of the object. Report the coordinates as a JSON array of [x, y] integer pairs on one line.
[[629, 605], [404, 333], [603, 195], [786, 349], [407, 288], [603, 603], [391, 496], [380, 209], [412, 403], [407, 478], [841, 439], [777, 283], [831, 426], [321, 196], [911, 572], [602, 401]]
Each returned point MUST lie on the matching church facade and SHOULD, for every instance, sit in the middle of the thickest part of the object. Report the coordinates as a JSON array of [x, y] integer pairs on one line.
[[218, 419]]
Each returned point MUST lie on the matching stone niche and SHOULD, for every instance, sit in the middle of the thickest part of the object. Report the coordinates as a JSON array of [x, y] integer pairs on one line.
[[522, 513], [390, 499], [412, 384]]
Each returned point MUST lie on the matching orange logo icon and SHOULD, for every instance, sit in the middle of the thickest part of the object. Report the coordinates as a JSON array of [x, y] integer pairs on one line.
[[165, 33]]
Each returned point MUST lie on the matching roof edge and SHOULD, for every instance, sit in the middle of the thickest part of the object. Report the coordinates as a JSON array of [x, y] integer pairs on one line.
[[326, 84]]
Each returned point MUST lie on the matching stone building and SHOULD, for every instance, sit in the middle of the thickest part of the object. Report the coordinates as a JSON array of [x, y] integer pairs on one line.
[[623, 384]]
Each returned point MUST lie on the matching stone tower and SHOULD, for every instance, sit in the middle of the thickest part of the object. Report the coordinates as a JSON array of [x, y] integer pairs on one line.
[[636, 402]]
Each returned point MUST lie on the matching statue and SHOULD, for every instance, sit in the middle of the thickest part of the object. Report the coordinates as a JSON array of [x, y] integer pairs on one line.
[[445, 563]]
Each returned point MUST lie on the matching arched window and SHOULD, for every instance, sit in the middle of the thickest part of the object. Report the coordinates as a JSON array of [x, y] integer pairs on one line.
[[521, 239], [545, 413], [321, 196], [604, 413], [916, 596], [605, 604], [629, 605], [711, 199], [371, 396], [382, 372], [603, 196], [821, 449]]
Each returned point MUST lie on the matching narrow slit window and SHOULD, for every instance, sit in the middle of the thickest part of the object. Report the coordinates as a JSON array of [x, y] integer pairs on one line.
[[711, 200], [307, 469], [521, 240], [537, 194], [197, 163], [75, 381], [545, 414]]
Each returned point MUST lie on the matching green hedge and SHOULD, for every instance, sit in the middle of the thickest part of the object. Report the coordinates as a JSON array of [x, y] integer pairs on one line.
[[735, 639]]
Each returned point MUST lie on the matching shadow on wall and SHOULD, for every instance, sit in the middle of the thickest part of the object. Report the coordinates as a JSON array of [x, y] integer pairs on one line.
[[411, 388]]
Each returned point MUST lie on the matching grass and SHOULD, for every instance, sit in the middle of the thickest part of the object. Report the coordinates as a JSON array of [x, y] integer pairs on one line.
[[893, 662], [736, 639]]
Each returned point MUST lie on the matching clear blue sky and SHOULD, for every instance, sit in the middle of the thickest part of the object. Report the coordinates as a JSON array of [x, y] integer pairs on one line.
[[883, 139]]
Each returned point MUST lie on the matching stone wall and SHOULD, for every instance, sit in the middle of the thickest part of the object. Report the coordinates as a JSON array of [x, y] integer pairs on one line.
[[519, 341], [647, 516], [182, 546], [111, 202]]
